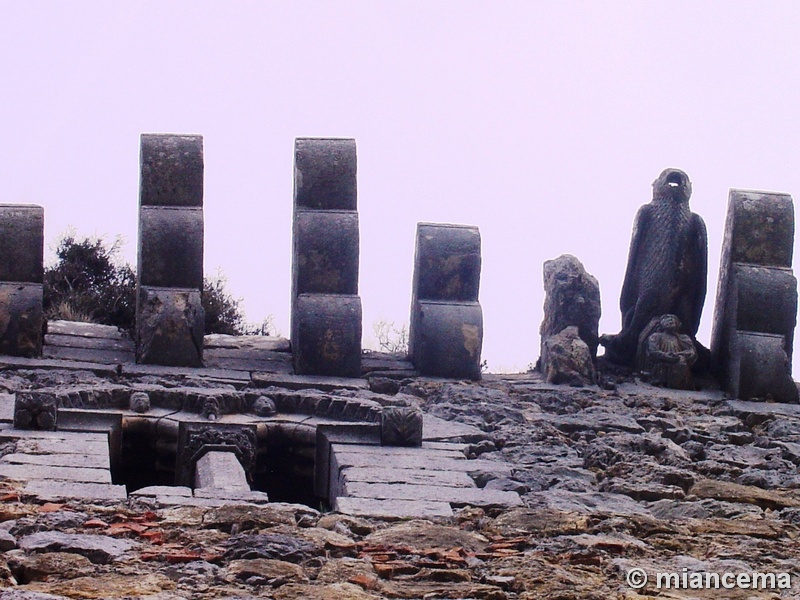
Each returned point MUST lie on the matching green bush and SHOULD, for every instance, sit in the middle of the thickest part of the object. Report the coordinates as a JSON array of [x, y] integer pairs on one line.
[[89, 283]]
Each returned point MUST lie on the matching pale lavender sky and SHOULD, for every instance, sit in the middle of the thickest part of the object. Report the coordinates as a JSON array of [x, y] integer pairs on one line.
[[543, 123]]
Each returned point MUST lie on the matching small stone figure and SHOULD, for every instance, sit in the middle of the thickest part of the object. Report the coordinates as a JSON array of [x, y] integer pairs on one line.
[[667, 354], [667, 265], [140, 402], [264, 407]]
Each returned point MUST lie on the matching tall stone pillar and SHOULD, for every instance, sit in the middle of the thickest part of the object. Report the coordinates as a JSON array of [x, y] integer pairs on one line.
[[326, 308], [756, 306], [446, 332], [169, 314], [21, 276]]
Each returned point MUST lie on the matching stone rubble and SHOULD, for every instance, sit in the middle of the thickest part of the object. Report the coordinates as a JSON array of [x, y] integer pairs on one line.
[[608, 480]]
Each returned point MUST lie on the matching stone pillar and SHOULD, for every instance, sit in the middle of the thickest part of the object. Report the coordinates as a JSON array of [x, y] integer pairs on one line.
[[326, 308], [446, 332], [169, 314], [756, 306], [21, 275]]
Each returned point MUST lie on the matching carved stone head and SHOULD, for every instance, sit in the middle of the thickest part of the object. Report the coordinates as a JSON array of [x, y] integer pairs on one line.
[[672, 184]]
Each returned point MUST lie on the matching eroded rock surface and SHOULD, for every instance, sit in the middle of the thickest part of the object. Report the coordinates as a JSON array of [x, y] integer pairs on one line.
[[610, 480]]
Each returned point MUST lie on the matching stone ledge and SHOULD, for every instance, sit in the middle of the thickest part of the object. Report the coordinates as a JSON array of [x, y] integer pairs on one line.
[[393, 509]]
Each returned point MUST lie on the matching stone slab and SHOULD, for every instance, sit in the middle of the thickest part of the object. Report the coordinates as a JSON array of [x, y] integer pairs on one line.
[[103, 356], [231, 496], [95, 343], [745, 407], [384, 361], [283, 364], [413, 452], [222, 375], [398, 509], [31, 472], [69, 437], [247, 342], [437, 429], [422, 462], [88, 330], [164, 490], [19, 362], [50, 490], [54, 446], [454, 479], [304, 382], [455, 496], [89, 461]]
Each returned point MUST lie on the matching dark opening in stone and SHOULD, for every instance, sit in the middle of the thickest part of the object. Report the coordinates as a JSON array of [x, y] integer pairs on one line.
[[283, 466]]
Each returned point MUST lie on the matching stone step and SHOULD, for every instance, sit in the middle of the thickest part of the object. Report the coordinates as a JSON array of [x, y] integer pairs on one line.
[[453, 479], [51, 491], [398, 509], [89, 461], [30, 472], [435, 493]]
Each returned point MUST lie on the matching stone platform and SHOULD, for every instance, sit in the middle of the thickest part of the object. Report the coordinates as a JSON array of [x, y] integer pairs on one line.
[[362, 477]]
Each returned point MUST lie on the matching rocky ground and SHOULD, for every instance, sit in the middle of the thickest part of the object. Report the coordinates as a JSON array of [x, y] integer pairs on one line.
[[623, 477]]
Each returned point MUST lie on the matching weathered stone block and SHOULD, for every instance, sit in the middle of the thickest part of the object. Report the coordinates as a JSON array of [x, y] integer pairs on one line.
[[759, 228], [447, 262], [21, 319], [572, 298], [326, 335], [755, 288], [169, 327], [171, 170], [761, 368], [325, 174], [220, 470], [35, 410], [326, 246], [21, 242], [170, 247], [447, 339], [567, 359], [401, 426]]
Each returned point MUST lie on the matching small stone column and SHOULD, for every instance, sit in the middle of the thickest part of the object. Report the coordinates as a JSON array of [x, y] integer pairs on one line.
[[169, 315], [326, 308], [446, 332], [21, 276], [756, 306]]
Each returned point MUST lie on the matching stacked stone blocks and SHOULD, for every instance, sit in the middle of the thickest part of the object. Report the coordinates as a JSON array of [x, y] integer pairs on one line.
[[21, 275], [169, 313], [326, 308], [446, 332], [756, 306]]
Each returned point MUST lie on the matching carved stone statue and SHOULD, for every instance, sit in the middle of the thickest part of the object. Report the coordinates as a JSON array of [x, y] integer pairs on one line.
[[667, 354], [667, 265]]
